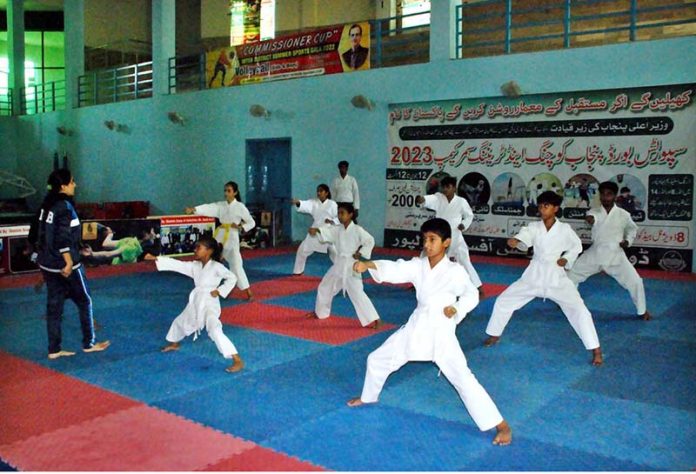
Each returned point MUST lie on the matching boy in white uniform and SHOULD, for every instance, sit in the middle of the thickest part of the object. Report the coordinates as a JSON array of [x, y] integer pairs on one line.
[[612, 231], [556, 246], [323, 211], [351, 242], [455, 210], [445, 295], [345, 188], [233, 215]]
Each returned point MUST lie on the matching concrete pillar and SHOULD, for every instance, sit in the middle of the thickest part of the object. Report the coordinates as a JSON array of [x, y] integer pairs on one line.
[[74, 19], [163, 43], [442, 29], [15, 48]]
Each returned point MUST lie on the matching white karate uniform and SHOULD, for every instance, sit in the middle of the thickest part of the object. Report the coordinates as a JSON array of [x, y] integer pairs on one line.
[[457, 211], [346, 190], [230, 213], [605, 254], [320, 211], [544, 278], [341, 275], [429, 335], [202, 310]]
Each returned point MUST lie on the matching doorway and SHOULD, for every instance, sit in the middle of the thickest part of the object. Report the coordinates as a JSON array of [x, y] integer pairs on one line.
[[269, 186]]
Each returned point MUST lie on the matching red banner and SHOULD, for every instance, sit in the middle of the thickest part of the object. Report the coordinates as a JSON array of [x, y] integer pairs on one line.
[[329, 50]]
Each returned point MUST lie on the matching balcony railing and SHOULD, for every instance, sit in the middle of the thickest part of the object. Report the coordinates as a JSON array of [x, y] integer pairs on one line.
[[6, 101], [494, 27], [115, 85], [40, 98], [392, 44]]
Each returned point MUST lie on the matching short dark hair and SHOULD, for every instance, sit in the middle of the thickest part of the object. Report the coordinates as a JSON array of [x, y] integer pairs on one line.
[[437, 226], [549, 197], [625, 190], [348, 206], [355, 25], [448, 181], [609, 186], [343, 163]]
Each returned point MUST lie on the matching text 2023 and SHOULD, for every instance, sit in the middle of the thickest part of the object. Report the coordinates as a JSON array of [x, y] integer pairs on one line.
[[411, 155]]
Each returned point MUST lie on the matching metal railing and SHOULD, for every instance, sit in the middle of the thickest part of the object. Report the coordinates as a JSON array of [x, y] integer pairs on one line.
[[6, 101], [505, 26], [392, 44], [40, 98], [115, 85]]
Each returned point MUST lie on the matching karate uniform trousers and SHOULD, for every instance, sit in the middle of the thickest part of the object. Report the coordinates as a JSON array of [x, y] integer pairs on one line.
[[544, 278], [341, 275], [429, 335], [320, 211], [230, 213], [606, 254], [456, 212], [202, 310]]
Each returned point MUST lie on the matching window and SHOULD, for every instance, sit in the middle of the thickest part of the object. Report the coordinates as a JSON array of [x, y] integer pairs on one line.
[[414, 7]]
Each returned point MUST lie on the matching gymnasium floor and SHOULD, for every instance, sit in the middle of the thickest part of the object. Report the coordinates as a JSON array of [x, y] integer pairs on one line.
[[134, 408]]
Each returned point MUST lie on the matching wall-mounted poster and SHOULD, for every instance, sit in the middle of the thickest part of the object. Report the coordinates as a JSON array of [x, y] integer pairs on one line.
[[505, 151]]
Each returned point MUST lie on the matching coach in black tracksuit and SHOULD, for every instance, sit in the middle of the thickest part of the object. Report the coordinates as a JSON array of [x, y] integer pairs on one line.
[[59, 237]]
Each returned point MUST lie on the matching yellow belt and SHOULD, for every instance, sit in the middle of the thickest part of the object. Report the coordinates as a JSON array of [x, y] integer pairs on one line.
[[227, 228]]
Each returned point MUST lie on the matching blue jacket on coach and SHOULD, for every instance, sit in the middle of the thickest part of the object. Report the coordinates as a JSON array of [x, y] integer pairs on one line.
[[59, 232]]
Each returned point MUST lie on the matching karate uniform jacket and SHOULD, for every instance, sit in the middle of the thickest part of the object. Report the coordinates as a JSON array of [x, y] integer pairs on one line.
[[320, 211], [346, 241], [346, 190], [206, 279], [457, 211], [608, 231], [429, 334], [560, 241], [228, 213]]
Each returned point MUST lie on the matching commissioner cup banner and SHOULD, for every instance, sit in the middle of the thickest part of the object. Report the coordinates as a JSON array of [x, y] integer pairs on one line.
[[327, 50], [504, 152]]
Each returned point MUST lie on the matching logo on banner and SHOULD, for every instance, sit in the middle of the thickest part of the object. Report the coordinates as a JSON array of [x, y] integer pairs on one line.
[[672, 261]]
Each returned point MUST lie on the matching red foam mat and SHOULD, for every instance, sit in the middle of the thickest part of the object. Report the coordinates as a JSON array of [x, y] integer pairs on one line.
[[37, 400], [335, 330], [280, 287], [491, 290], [262, 459], [140, 438]]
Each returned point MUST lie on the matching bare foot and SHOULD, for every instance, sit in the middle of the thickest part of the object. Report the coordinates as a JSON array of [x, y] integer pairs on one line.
[[56, 355], [376, 324], [250, 296], [597, 359], [298, 274], [237, 366], [646, 316], [355, 402], [482, 295], [504, 435], [491, 341], [97, 347], [172, 346], [311, 315]]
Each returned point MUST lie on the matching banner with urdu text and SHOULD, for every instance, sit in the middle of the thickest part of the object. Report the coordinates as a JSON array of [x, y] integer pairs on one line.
[[328, 50], [504, 152]]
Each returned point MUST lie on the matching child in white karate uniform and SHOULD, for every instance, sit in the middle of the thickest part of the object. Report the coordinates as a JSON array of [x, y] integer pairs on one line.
[[351, 242], [612, 231], [323, 211], [556, 246], [455, 210], [233, 215], [203, 308], [445, 295]]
